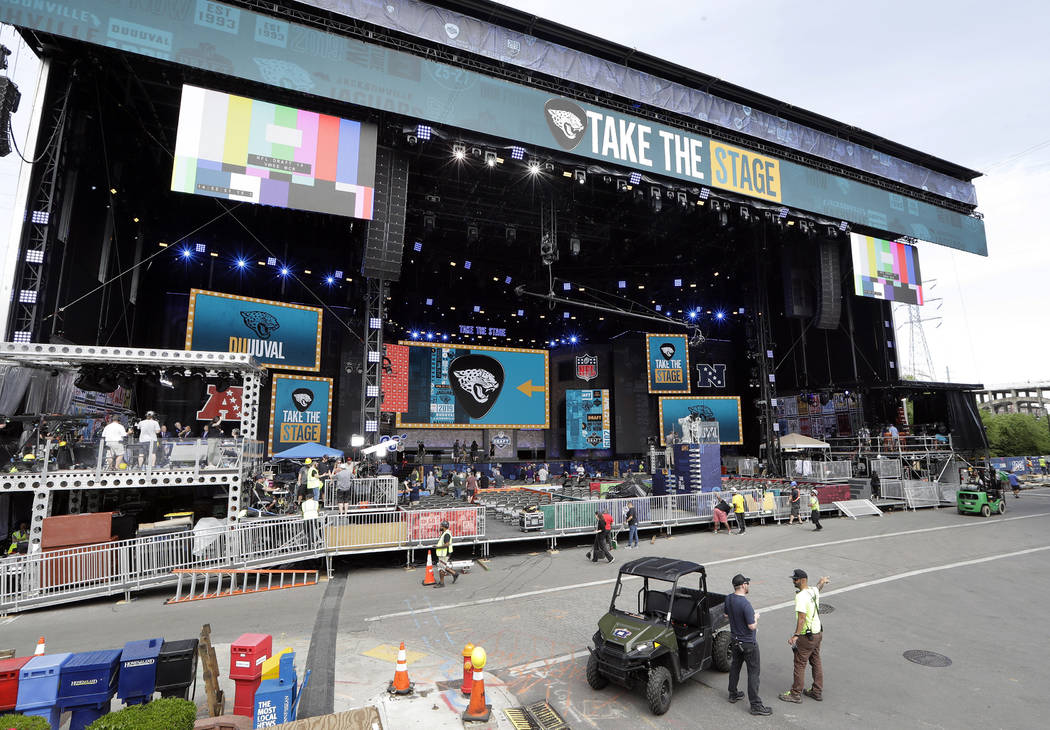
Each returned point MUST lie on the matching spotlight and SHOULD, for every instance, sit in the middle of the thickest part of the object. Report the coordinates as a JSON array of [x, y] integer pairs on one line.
[[200, 248], [473, 233], [693, 313], [414, 335], [548, 250], [705, 193], [241, 263], [533, 167], [329, 279], [635, 178], [412, 139], [621, 186], [429, 223], [574, 245], [512, 234], [573, 339], [490, 159], [683, 198], [621, 284], [517, 153], [655, 199], [285, 271], [579, 175], [423, 132], [271, 261], [444, 337], [720, 315], [430, 335], [417, 246], [186, 253], [459, 151]]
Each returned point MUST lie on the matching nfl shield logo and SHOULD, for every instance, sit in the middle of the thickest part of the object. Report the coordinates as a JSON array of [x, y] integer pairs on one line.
[[586, 367]]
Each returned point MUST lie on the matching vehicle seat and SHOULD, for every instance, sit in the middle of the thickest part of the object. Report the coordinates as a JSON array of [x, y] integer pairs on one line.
[[685, 611], [657, 602]]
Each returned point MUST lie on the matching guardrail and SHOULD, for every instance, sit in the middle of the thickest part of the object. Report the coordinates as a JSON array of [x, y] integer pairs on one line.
[[375, 492], [61, 576]]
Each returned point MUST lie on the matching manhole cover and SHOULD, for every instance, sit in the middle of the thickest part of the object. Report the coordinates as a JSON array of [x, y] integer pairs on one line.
[[927, 658], [826, 608]]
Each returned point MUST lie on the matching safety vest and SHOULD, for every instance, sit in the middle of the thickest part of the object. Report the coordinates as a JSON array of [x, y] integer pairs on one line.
[[444, 547], [313, 479], [17, 537], [814, 503], [310, 509]]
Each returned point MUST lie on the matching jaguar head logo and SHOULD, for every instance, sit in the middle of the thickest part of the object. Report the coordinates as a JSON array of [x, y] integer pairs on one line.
[[262, 324], [476, 382], [667, 350], [567, 121], [302, 398]]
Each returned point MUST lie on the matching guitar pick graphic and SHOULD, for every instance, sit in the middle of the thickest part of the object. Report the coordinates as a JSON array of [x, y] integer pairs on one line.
[[302, 398], [667, 350], [477, 381]]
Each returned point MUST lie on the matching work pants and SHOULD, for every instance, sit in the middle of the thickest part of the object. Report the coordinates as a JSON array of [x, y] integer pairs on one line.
[[807, 651], [600, 548], [745, 654], [739, 521]]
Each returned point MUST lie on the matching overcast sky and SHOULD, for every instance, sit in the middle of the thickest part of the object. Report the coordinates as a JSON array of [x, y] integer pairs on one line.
[[965, 81]]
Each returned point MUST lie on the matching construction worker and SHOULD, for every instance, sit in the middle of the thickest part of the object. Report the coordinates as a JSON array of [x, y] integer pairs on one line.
[[814, 510], [444, 553], [311, 521], [738, 511], [310, 478], [21, 535]]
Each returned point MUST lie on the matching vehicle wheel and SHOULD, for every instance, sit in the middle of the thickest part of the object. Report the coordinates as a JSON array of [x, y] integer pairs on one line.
[[1002, 506], [594, 675], [721, 654], [658, 690], [986, 511]]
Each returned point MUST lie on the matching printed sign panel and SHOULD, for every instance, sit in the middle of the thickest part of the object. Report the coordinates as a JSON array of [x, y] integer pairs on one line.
[[252, 151], [300, 411], [395, 379], [222, 404], [279, 335], [587, 421], [476, 387], [723, 409], [269, 50], [667, 363], [886, 270]]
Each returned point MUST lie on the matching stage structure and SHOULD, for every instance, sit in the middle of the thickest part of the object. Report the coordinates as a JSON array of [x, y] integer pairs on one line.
[[71, 358]]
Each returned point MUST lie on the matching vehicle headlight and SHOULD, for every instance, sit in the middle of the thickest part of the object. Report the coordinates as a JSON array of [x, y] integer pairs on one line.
[[644, 646]]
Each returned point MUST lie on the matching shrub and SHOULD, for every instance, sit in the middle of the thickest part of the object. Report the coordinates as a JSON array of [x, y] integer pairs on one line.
[[23, 722], [170, 713]]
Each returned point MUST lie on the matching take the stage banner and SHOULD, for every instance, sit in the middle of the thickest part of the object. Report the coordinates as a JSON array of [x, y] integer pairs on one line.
[[667, 363], [279, 335], [300, 411]]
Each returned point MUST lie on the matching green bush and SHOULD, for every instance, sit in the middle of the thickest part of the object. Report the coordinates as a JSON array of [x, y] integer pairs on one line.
[[23, 722], [170, 713]]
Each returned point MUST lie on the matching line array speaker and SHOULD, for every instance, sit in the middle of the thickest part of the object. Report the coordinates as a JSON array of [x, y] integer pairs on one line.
[[385, 242], [829, 310]]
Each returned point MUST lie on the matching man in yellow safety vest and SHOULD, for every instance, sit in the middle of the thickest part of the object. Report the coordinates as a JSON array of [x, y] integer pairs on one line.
[[444, 552]]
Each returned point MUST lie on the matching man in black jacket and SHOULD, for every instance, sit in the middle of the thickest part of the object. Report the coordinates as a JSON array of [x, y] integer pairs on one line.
[[600, 540]]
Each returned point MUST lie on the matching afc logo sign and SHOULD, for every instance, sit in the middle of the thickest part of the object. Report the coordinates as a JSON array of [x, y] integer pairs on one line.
[[711, 375]]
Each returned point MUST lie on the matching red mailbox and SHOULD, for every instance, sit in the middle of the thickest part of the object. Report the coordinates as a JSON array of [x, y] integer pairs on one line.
[[247, 655], [9, 669]]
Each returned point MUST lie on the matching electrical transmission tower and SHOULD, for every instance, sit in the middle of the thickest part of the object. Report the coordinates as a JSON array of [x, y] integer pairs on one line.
[[920, 362]]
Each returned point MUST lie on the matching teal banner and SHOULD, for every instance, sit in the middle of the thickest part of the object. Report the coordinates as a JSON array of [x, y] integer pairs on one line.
[[236, 42]]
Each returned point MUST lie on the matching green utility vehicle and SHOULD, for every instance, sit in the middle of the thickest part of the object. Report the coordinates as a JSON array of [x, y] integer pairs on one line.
[[673, 630], [977, 500]]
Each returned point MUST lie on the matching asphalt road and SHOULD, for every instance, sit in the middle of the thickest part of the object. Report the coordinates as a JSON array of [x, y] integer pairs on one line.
[[966, 587]]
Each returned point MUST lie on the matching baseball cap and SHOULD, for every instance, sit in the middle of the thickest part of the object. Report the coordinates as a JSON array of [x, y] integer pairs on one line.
[[739, 580], [799, 573], [794, 483]]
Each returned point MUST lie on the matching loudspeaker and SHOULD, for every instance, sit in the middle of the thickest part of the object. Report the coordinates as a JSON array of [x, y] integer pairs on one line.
[[9, 98], [798, 297], [830, 307], [385, 242]]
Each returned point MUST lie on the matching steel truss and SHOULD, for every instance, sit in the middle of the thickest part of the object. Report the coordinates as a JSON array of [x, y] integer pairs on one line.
[[70, 357], [372, 375]]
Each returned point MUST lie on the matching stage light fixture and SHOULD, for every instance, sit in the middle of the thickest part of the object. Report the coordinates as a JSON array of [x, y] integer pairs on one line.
[[565, 315], [533, 167], [200, 248], [417, 246], [683, 198], [635, 178], [621, 284], [271, 261], [466, 264], [430, 302], [40, 217], [186, 253], [477, 308], [508, 280], [459, 151], [429, 222], [517, 153], [573, 339], [34, 256], [329, 279], [490, 159], [548, 250], [745, 214], [579, 175], [444, 337], [678, 282], [574, 245], [659, 308], [783, 213], [655, 199], [241, 263], [430, 335], [694, 313], [375, 323], [285, 271], [424, 131], [512, 234], [414, 335], [22, 336], [27, 296], [843, 226], [412, 139], [566, 286], [338, 273], [521, 312], [473, 233], [622, 186], [720, 315]]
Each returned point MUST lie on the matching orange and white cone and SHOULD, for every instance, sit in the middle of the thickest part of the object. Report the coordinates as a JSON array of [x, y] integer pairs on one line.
[[39, 647], [400, 684], [468, 671], [477, 710], [428, 578]]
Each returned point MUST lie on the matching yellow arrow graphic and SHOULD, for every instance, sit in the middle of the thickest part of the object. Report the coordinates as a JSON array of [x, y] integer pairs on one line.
[[528, 388]]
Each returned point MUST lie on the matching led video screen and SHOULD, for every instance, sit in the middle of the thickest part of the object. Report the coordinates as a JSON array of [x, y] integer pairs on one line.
[[587, 421], [721, 408], [476, 387], [886, 269], [252, 151]]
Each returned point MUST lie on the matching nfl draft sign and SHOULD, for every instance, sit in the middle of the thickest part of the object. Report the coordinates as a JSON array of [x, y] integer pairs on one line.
[[586, 367]]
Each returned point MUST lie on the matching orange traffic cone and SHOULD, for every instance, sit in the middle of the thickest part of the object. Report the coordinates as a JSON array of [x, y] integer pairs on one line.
[[477, 710], [39, 647], [468, 671], [400, 685], [429, 579]]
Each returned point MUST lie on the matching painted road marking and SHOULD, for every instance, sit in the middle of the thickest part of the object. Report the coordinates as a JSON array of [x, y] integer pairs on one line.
[[767, 553], [532, 667]]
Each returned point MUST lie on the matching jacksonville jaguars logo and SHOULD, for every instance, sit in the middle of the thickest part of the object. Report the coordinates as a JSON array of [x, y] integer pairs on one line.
[[567, 121], [476, 382], [302, 398], [262, 324]]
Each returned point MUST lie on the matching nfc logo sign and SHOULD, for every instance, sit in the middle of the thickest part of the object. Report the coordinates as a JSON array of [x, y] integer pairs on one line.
[[711, 376]]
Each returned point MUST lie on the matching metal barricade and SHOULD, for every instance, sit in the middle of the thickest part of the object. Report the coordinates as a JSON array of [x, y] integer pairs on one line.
[[424, 526], [832, 471], [921, 494], [886, 468], [364, 529], [373, 492]]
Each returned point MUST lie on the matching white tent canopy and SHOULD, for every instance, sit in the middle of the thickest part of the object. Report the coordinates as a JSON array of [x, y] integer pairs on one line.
[[797, 442]]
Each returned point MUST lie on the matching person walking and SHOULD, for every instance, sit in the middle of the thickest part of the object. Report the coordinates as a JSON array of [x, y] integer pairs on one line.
[[1015, 484], [876, 485], [743, 629], [443, 550], [805, 642], [1042, 465], [473, 452], [459, 483], [632, 526], [721, 514], [738, 511], [814, 510], [601, 532], [344, 485], [472, 485], [796, 504], [431, 482]]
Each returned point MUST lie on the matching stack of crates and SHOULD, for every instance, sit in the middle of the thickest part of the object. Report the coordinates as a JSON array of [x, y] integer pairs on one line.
[[247, 655], [87, 684]]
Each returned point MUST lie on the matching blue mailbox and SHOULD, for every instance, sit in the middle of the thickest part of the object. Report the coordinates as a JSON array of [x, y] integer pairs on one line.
[[38, 686], [275, 699], [87, 684], [138, 671]]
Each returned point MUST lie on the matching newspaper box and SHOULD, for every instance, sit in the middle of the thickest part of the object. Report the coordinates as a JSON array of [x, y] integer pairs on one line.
[[86, 685], [138, 671], [38, 686]]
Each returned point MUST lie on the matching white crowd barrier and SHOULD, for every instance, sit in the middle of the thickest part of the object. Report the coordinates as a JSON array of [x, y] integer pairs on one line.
[[375, 492]]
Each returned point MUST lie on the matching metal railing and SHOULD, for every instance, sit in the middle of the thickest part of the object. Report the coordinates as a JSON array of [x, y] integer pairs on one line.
[[71, 574], [921, 494], [373, 492], [820, 471]]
